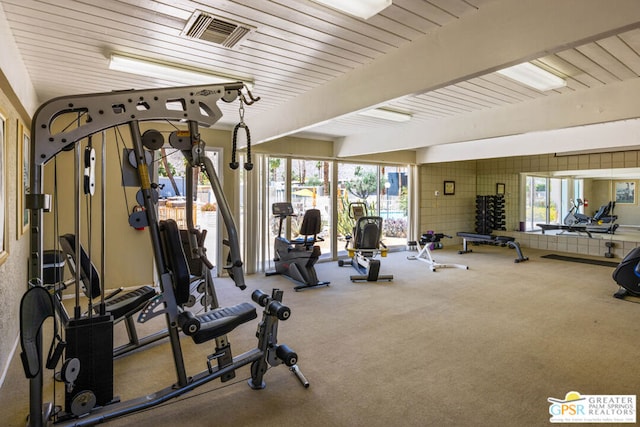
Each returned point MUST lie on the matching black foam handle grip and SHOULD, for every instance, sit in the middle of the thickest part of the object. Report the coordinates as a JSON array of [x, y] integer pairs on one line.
[[282, 312], [188, 323], [260, 297]]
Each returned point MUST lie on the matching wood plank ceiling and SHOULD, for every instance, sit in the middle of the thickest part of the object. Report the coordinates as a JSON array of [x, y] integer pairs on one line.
[[296, 46]]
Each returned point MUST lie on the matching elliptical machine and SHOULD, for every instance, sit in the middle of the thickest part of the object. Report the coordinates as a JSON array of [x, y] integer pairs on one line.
[[296, 258], [627, 275]]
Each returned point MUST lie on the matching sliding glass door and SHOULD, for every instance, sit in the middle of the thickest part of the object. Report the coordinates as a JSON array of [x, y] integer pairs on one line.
[[384, 192]]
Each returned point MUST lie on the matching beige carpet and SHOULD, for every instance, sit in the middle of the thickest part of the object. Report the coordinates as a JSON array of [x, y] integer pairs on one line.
[[478, 347]]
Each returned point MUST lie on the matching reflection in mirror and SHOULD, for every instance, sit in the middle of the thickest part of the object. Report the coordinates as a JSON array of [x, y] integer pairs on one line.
[[602, 201]]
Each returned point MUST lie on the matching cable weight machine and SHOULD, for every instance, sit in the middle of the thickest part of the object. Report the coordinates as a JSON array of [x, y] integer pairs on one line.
[[129, 108]]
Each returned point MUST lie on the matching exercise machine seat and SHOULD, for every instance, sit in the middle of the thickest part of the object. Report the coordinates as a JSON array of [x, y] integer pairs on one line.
[[309, 229], [223, 320], [205, 326], [367, 233], [129, 303], [119, 306], [490, 239]]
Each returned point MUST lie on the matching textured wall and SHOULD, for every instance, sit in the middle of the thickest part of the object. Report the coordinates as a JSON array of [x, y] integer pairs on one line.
[[13, 271], [451, 214]]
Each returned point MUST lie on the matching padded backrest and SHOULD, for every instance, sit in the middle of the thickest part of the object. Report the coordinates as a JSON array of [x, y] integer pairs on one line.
[[195, 264], [601, 212], [88, 272], [368, 232], [173, 254], [311, 223], [36, 306]]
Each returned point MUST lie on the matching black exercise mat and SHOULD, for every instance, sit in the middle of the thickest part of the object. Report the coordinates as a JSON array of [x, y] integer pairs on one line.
[[582, 260]]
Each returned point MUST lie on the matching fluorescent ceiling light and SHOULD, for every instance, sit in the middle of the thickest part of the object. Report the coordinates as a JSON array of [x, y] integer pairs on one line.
[[172, 73], [386, 114], [364, 9], [533, 76]]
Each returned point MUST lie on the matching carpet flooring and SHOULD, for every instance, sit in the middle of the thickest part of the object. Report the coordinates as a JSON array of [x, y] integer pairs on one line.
[[485, 346]]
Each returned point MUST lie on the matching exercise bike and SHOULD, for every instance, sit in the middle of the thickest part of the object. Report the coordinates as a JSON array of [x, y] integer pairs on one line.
[[365, 244], [296, 258], [603, 221], [627, 275], [574, 217]]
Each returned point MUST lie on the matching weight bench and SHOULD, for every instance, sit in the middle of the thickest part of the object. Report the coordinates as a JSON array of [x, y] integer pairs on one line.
[[581, 228], [122, 306], [490, 239]]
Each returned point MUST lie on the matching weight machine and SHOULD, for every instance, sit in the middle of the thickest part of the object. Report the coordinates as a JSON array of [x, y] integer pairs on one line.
[[89, 392]]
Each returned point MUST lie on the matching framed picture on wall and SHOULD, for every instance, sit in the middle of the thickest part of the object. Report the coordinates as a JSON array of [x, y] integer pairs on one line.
[[449, 188], [625, 192], [500, 188], [4, 241], [24, 147]]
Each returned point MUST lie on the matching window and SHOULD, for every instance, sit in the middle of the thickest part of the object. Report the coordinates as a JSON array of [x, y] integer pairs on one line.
[[172, 203], [311, 189], [548, 200], [325, 185], [384, 190]]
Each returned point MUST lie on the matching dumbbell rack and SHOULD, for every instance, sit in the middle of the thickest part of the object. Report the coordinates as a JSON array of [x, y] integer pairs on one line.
[[489, 214]]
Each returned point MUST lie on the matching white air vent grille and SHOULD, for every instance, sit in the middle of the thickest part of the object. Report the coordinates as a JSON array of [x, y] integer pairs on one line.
[[215, 30]]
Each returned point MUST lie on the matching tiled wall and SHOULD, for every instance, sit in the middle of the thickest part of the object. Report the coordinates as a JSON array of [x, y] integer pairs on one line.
[[451, 214], [447, 213]]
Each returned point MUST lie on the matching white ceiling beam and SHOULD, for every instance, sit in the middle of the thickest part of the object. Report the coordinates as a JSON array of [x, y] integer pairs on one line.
[[500, 34], [598, 105], [618, 135]]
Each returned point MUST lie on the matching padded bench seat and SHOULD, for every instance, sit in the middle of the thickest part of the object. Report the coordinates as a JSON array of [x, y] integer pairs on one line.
[[490, 239], [223, 320], [129, 302], [120, 305], [474, 237]]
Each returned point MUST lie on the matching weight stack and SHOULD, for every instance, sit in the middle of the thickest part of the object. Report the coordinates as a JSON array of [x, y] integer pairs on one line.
[[90, 340]]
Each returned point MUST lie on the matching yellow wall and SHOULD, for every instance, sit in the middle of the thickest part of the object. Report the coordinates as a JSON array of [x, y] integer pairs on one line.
[[129, 258]]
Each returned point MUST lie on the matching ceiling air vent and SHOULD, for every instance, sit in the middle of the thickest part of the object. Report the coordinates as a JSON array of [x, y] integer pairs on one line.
[[215, 30]]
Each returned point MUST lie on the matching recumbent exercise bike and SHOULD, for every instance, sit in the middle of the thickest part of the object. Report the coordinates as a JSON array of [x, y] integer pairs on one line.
[[297, 258], [365, 244]]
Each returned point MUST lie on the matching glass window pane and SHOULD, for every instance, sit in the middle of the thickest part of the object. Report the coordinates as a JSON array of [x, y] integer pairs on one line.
[[540, 200], [394, 208], [207, 210], [310, 189], [277, 185], [172, 189]]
